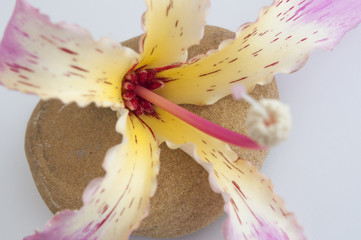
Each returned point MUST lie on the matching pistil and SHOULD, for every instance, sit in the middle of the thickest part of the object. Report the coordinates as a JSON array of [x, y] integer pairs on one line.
[[196, 121], [268, 121]]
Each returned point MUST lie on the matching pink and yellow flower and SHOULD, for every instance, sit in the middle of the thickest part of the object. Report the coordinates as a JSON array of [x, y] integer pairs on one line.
[[63, 61]]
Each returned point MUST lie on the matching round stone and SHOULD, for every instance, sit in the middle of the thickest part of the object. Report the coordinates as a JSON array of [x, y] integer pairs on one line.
[[65, 146]]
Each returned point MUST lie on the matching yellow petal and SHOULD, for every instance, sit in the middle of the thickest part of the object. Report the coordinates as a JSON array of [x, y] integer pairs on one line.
[[255, 212], [114, 205], [61, 60], [171, 26], [280, 41]]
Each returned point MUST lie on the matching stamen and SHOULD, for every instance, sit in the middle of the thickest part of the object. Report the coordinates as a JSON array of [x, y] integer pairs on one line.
[[145, 78], [128, 86], [155, 84], [132, 104], [142, 76], [131, 77], [128, 95], [146, 106], [197, 121]]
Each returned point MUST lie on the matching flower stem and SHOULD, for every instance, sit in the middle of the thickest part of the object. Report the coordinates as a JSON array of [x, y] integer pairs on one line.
[[198, 122]]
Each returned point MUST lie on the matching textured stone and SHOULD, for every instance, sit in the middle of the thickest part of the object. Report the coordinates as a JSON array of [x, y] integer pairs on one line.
[[65, 146]]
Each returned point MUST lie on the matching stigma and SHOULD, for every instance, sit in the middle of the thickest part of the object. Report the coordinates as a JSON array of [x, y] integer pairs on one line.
[[268, 121]]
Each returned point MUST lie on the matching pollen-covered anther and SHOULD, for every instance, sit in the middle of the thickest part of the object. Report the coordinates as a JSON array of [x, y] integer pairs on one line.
[[268, 130], [142, 76], [128, 95], [139, 111], [132, 104], [131, 77], [146, 106], [155, 84], [145, 76], [128, 86]]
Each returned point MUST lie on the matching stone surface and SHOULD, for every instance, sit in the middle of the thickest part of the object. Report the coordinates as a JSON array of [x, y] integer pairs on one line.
[[65, 146]]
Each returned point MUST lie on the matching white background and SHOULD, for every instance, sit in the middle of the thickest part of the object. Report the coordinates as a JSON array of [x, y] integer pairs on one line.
[[317, 170]]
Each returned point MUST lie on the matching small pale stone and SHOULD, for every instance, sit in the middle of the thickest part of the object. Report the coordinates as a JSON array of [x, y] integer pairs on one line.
[[65, 147]]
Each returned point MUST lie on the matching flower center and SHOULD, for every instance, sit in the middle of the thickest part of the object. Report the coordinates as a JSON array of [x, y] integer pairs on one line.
[[140, 77]]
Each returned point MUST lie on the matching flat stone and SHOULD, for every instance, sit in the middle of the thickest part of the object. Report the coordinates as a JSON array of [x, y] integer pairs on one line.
[[65, 146]]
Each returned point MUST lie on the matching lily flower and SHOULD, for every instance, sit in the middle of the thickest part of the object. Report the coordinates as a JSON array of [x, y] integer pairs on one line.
[[63, 61]]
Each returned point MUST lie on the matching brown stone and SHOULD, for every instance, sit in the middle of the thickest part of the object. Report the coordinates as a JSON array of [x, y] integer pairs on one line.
[[65, 146]]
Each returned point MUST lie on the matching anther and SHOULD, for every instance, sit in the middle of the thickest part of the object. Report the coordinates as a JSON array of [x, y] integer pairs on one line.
[[128, 95], [142, 76], [139, 111], [155, 84], [146, 106], [131, 77], [151, 74], [128, 86], [132, 104]]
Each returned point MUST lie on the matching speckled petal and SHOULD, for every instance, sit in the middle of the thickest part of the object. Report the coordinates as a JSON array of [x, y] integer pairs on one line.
[[171, 26], [254, 210], [114, 205], [61, 60], [280, 41]]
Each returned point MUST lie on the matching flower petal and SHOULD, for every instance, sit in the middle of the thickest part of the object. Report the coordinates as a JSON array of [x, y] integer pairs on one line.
[[61, 60], [255, 212], [280, 41], [115, 205], [171, 26]]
